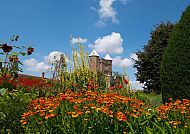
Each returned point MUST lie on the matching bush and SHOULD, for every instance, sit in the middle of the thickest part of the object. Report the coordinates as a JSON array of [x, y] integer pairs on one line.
[[12, 106], [175, 67]]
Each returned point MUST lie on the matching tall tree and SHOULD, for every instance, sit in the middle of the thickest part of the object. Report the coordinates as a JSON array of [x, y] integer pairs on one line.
[[175, 67], [149, 59]]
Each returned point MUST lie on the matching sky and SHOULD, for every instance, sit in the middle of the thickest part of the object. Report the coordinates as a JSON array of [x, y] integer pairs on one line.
[[119, 27]]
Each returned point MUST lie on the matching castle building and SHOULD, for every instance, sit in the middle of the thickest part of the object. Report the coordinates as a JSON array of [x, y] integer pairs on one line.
[[103, 65]]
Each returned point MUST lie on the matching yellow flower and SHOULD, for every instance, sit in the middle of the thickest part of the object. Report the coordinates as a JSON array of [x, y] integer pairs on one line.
[[75, 115], [185, 126], [98, 109], [111, 115], [50, 111], [87, 112], [174, 126], [93, 107]]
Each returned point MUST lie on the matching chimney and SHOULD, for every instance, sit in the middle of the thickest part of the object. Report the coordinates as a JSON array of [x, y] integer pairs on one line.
[[43, 75]]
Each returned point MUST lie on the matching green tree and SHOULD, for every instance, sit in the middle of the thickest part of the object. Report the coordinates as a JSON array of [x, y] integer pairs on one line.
[[175, 67], [149, 59]]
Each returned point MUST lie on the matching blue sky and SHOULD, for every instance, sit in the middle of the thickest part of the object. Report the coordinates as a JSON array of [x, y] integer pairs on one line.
[[120, 25]]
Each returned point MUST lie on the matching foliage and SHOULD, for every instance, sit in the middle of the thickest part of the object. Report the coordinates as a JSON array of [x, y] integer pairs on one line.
[[9, 62], [116, 77], [175, 68], [152, 100], [149, 59], [12, 106]]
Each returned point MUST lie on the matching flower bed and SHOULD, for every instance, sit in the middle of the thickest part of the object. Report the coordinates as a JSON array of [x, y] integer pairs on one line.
[[98, 112]]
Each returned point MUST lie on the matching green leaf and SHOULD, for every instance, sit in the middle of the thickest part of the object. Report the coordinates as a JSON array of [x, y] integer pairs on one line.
[[144, 122], [2, 116], [148, 130], [108, 132], [15, 53], [159, 128], [182, 131], [23, 53], [168, 126], [3, 91], [17, 47], [130, 127], [20, 63]]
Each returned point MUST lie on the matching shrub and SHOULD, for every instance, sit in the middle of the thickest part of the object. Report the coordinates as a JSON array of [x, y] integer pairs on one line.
[[175, 67], [12, 106]]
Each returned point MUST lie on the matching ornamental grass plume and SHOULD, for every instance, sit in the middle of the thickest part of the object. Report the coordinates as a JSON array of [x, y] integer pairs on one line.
[[79, 76]]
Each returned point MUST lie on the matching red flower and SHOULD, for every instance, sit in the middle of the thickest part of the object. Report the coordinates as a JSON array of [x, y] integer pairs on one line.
[[89, 87], [6, 48], [111, 88], [75, 107], [120, 86], [30, 50], [126, 81]]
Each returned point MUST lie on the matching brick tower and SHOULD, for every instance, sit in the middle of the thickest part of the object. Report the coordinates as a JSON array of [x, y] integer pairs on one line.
[[107, 69], [103, 65], [94, 61]]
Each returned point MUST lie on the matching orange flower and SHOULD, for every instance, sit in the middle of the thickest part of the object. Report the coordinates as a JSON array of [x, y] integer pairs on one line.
[[170, 99], [120, 116], [133, 115], [49, 116], [70, 113], [24, 121], [63, 97], [80, 112], [42, 114]]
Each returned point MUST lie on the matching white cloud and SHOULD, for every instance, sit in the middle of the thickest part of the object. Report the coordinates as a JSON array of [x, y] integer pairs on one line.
[[124, 1], [30, 62], [136, 85], [106, 10], [54, 57], [76, 40], [36, 66], [33, 65], [126, 62], [100, 23], [119, 62], [134, 56], [111, 43], [93, 8]]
